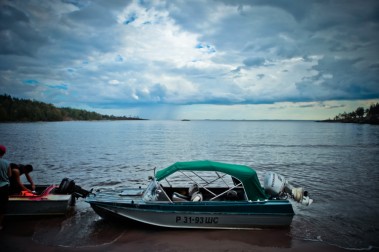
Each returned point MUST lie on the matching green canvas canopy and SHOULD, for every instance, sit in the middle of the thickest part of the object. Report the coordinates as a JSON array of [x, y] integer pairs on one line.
[[245, 174]]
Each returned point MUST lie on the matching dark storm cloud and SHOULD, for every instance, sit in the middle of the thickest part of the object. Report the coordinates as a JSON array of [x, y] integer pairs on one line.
[[17, 35], [188, 52]]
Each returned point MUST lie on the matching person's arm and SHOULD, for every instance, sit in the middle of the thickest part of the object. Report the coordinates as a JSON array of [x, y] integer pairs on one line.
[[30, 181], [16, 174]]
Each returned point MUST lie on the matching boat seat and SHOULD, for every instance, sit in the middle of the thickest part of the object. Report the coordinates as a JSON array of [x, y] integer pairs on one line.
[[194, 193], [232, 195], [177, 197], [197, 196], [194, 188]]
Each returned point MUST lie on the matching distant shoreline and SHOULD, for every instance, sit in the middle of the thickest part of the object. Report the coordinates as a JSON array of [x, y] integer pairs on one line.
[[74, 120], [359, 116], [22, 110], [371, 122]]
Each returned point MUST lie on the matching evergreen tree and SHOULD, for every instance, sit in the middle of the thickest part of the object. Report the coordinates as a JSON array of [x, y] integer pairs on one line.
[[22, 110], [360, 115]]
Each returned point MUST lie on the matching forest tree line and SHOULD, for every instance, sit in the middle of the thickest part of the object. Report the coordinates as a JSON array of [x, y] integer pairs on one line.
[[360, 115], [24, 110]]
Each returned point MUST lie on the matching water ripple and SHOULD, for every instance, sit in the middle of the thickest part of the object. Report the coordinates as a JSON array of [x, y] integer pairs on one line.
[[336, 163]]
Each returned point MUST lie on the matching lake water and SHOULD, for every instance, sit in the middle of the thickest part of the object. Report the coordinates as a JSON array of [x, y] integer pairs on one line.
[[337, 163]]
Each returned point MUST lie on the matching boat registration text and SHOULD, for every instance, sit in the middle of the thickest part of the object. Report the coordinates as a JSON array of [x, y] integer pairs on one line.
[[196, 220]]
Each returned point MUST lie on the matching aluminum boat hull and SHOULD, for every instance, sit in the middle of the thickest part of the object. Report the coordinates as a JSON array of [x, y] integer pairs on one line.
[[44, 204], [204, 215], [197, 194]]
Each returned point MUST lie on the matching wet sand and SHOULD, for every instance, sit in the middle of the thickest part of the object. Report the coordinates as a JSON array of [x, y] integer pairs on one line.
[[75, 234]]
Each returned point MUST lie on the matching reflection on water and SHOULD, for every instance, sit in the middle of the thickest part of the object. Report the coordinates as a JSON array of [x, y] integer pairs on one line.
[[336, 163]]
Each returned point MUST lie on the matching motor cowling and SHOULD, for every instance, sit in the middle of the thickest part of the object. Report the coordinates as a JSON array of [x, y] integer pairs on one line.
[[68, 186], [274, 183], [277, 186]]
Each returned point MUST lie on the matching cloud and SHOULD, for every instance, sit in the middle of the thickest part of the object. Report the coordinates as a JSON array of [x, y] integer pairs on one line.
[[251, 62], [122, 54], [339, 78], [17, 34]]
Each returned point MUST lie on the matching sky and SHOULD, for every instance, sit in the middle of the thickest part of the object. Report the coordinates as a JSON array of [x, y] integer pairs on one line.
[[198, 59]]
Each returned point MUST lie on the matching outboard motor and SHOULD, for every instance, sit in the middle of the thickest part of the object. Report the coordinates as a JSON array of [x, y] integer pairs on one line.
[[277, 186], [67, 186]]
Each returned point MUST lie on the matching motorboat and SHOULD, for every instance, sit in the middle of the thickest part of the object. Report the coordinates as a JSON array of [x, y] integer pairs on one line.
[[47, 200], [206, 195]]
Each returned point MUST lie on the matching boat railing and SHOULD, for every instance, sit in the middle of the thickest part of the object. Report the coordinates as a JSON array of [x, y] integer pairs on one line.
[[210, 187], [164, 192], [238, 184], [225, 192], [180, 194], [201, 186]]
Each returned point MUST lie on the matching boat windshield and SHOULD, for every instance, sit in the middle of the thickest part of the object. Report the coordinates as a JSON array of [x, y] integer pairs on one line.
[[150, 193]]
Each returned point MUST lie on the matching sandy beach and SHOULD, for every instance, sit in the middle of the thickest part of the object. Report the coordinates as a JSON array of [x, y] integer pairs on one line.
[[57, 234]]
